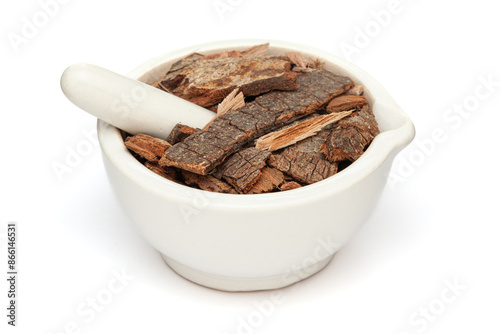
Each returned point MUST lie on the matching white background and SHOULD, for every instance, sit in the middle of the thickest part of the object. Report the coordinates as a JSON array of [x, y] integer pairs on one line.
[[437, 224]]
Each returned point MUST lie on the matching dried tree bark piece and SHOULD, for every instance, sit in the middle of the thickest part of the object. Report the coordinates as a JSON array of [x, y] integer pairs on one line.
[[290, 185], [243, 169], [275, 140], [166, 172], [297, 58], [203, 151], [197, 153], [254, 51], [356, 90], [313, 144], [208, 81], [230, 102], [350, 138], [207, 182], [270, 179], [150, 148], [176, 69], [300, 62], [180, 132], [304, 167], [318, 88], [346, 102]]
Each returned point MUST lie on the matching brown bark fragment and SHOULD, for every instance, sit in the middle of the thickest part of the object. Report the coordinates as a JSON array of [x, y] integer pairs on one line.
[[297, 58], [270, 179], [207, 182], [318, 88], [313, 144], [203, 151], [148, 147], [180, 132], [350, 138], [300, 62], [304, 167], [166, 172], [243, 169], [197, 152], [356, 90], [173, 74], [346, 102], [275, 140], [230, 102], [208, 81], [290, 185]]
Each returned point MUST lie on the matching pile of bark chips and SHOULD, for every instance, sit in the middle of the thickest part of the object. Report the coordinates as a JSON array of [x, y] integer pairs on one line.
[[280, 123]]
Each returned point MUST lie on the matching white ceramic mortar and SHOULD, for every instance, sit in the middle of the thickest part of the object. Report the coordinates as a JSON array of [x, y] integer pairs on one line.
[[255, 242]]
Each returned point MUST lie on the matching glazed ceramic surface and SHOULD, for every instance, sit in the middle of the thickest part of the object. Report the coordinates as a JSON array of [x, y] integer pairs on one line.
[[265, 241]]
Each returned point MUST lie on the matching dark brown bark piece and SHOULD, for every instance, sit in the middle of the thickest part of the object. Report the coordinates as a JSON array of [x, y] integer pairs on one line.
[[351, 136], [243, 169], [207, 182], [166, 172], [270, 179], [346, 102], [208, 81], [180, 132], [312, 145], [203, 151], [231, 101], [304, 167], [290, 185], [150, 148]]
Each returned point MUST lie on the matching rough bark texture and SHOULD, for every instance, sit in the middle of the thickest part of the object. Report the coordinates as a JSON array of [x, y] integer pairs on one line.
[[270, 179], [203, 151], [207, 182], [282, 138], [304, 167], [208, 81], [346, 102], [180, 132], [312, 145], [167, 172], [290, 95], [243, 169], [351, 137], [175, 70], [149, 148], [231, 102], [290, 185]]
